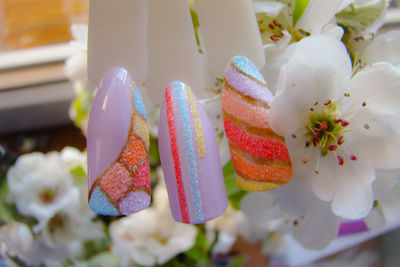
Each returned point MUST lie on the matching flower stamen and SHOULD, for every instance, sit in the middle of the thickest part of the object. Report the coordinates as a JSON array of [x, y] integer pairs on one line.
[[340, 160], [325, 130]]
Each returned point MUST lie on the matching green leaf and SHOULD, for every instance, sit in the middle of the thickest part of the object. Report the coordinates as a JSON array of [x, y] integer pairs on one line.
[[78, 173], [237, 261], [105, 259], [361, 15], [154, 155], [93, 247], [6, 212], [300, 6], [199, 252], [81, 106], [235, 194], [196, 25]]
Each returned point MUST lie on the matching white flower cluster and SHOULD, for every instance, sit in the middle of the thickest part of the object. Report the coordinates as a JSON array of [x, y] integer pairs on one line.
[[43, 188], [151, 236]]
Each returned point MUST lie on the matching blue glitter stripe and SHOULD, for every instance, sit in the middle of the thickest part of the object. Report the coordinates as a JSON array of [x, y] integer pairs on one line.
[[139, 105], [184, 112], [100, 204], [245, 65]]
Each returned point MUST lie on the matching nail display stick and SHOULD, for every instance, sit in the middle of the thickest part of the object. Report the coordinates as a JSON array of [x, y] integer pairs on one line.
[[117, 37], [229, 28], [172, 49]]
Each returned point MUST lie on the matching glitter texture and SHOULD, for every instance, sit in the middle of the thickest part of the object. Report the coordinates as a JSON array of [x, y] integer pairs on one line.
[[248, 68], [194, 186], [267, 172], [243, 111], [259, 156], [134, 153], [142, 179], [142, 131], [125, 183], [116, 182], [99, 203], [250, 185], [139, 105], [247, 86], [134, 202], [255, 145], [175, 155], [197, 123], [195, 182]]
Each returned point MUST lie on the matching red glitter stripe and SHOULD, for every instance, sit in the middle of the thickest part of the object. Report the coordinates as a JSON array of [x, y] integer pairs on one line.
[[255, 145], [175, 156]]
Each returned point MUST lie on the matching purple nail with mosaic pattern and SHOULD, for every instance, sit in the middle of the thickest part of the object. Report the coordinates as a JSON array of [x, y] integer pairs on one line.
[[190, 158], [118, 147]]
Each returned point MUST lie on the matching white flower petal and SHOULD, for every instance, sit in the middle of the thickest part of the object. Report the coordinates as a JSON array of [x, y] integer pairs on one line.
[[276, 55], [378, 86], [376, 136], [318, 229], [353, 201], [319, 69], [283, 116], [271, 8], [324, 184], [385, 181], [260, 207], [224, 243], [333, 31], [347, 186], [375, 220], [385, 47], [317, 14], [296, 197]]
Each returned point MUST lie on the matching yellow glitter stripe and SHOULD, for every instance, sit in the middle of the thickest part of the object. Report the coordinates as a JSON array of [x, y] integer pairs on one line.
[[141, 130], [197, 124], [254, 186]]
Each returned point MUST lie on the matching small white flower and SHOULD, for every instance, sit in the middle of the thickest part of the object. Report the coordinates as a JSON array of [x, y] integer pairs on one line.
[[41, 185], [338, 128], [17, 238], [151, 236]]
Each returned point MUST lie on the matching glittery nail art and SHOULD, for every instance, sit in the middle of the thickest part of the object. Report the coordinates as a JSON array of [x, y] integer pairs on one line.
[[190, 158], [118, 148], [259, 156]]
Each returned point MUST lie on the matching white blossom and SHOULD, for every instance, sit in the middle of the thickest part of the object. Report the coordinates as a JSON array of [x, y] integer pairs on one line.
[[151, 236], [41, 185], [338, 128]]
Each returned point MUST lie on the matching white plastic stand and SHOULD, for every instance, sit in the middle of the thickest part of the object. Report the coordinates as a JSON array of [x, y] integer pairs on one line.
[[117, 36], [172, 48], [229, 28]]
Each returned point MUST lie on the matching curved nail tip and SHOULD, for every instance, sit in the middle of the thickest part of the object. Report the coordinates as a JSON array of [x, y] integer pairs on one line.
[[190, 157], [243, 76], [260, 157], [118, 143], [247, 67], [134, 202]]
